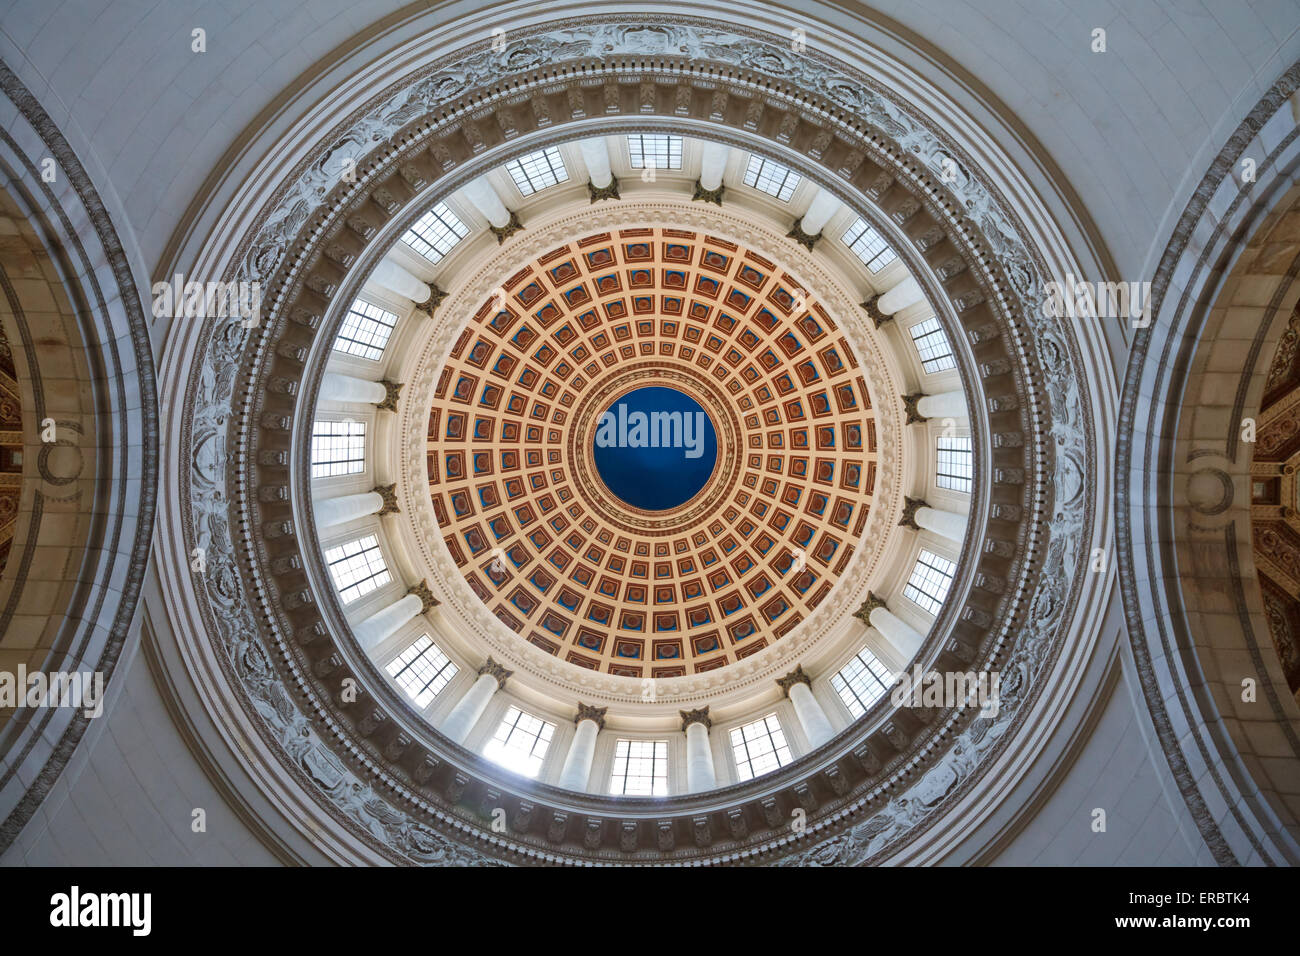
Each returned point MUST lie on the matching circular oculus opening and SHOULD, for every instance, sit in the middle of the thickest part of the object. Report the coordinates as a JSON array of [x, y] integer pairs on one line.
[[654, 448]]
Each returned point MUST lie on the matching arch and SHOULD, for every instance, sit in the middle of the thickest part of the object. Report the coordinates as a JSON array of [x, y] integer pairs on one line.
[[1221, 297]]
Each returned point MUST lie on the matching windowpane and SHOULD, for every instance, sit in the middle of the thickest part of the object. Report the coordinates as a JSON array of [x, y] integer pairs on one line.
[[365, 331], [538, 170], [930, 581], [868, 245], [436, 233], [422, 670], [640, 768], [655, 150], [861, 682], [357, 567], [337, 448], [759, 747], [932, 345], [773, 178], [520, 742], [954, 464]]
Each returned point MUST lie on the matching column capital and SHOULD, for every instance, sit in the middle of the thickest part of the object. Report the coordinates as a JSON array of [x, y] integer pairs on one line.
[[589, 712], [873, 311], [597, 193], [872, 602], [910, 402], [910, 507], [708, 195], [798, 235], [796, 676], [389, 494], [427, 601], [509, 229], [393, 391], [699, 716], [436, 296], [495, 670]]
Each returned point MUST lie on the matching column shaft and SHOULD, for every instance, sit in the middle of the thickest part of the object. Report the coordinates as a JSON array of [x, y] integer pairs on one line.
[[596, 157], [577, 762], [345, 508], [947, 524], [399, 281], [460, 720], [699, 759], [348, 388], [815, 723], [485, 200], [713, 164], [385, 623], [906, 293], [943, 405], [820, 210], [905, 639]]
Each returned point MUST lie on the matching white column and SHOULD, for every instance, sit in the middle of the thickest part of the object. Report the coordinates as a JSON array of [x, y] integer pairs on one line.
[[385, 623], [820, 210], [345, 508], [460, 720], [348, 388], [484, 198], [595, 154], [577, 762], [947, 524], [943, 405], [904, 638], [699, 755], [399, 281], [713, 164], [906, 293], [815, 723]]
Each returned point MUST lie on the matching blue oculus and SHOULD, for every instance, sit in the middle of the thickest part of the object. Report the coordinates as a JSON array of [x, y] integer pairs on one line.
[[655, 448]]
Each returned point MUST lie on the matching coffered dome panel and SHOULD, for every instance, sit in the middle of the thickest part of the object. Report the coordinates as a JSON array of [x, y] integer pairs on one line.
[[578, 572]]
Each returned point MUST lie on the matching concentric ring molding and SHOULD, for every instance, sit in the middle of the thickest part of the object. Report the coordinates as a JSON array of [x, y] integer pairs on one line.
[[421, 531], [837, 783]]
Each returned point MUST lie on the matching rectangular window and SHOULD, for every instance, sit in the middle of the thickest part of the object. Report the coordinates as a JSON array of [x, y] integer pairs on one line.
[[337, 448], [422, 670], [759, 748], [365, 331], [357, 567], [772, 178], [520, 742], [640, 768], [930, 581], [954, 465], [538, 170], [932, 346], [436, 233], [655, 151], [868, 245], [861, 682]]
